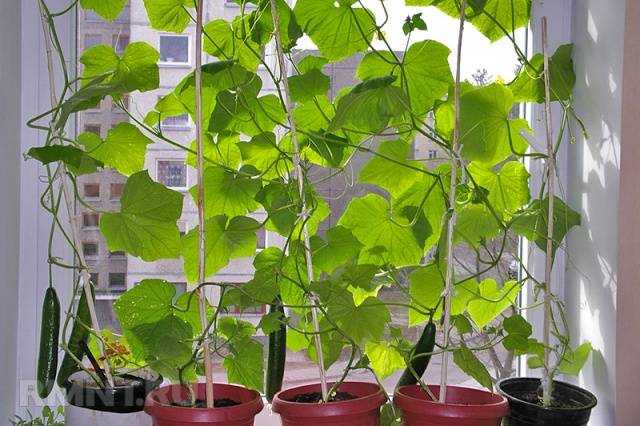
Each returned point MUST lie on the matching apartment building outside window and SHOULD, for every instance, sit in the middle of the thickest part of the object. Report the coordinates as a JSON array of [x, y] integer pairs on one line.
[[172, 173], [174, 49]]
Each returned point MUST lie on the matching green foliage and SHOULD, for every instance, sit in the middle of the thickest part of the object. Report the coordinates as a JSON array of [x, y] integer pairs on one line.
[[146, 225], [338, 28], [48, 417], [394, 237]]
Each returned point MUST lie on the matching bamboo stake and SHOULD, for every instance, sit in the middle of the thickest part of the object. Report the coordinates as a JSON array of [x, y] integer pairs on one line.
[[300, 178], [208, 364], [449, 282], [73, 219], [551, 169]]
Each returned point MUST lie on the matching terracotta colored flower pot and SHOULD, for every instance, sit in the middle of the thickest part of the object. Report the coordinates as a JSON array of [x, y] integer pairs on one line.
[[362, 411], [159, 406], [518, 391], [464, 407]]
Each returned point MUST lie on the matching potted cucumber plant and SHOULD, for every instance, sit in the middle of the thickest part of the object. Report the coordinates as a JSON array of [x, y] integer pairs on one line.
[[100, 390], [545, 400]]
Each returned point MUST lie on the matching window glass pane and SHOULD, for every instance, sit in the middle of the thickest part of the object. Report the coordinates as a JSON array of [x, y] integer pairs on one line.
[[174, 48], [92, 190], [90, 249], [106, 315], [117, 280], [116, 191], [172, 173], [117, 254], [93, 128], [261, 238], [90, 220]]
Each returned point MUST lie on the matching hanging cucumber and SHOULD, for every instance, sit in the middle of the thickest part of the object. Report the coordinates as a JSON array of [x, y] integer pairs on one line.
[[79, 333], [277, 354], [424, 346], [49, 333]]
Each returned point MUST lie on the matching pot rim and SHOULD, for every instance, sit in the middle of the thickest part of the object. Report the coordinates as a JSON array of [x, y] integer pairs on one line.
[[156, 408], [374, 399], [497, 409], [591, 396]]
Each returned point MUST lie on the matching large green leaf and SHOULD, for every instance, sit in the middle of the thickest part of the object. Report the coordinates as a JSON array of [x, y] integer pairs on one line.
[[227, 41], [261, 24], [492, 301], [573, 361], [363, 322], [76, 160], [508, 188], [426, 286], [225, 239], [474, 224], [370, 106], [305, 87], [245, 363], [470, 364], [493, 18], [107, 74], [378, 228], [339, 248], [166, 344], [146, 225], [124, 148], [385, 359], [168, 15], [228, 192], [265, 154], [109, 9], [282, 203], [487, 134], [224, 151], [426, 71], [532, 222], [337, 28], [529, 84], [391, 169]]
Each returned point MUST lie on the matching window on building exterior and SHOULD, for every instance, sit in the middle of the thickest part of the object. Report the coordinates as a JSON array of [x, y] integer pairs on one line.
[[261, 239], [93, 128], [90, 249], [177, 122], [115, 191], [172, 173], [119, 42], [432, 154], [91, 40], [94, 277], [174, 49], [90, 220], [117, 254], [125, 101], [117, 280], [91, 190]]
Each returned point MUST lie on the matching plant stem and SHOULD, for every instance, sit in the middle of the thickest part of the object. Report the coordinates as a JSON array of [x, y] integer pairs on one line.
[[208, 364], [449, 282], [300, 178], [551, 166], [68, 197]]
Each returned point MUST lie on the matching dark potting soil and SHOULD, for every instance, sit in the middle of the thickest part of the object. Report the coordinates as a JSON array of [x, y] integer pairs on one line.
[[217, 403], [316, 397], [532, 397]]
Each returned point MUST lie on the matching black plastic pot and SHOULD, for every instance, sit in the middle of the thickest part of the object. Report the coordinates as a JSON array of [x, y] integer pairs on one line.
[[525, 413], [127, 396]]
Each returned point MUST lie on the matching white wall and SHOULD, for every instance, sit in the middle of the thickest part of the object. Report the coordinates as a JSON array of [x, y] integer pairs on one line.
[[9, 176], [592, 188]]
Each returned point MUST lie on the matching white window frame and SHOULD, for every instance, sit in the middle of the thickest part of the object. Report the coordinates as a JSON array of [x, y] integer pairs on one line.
[[168, 64], [186, 171]]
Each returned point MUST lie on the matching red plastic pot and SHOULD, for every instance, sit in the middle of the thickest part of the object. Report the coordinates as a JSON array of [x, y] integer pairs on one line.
[[464, 407], [158, 406], [362, 411]]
